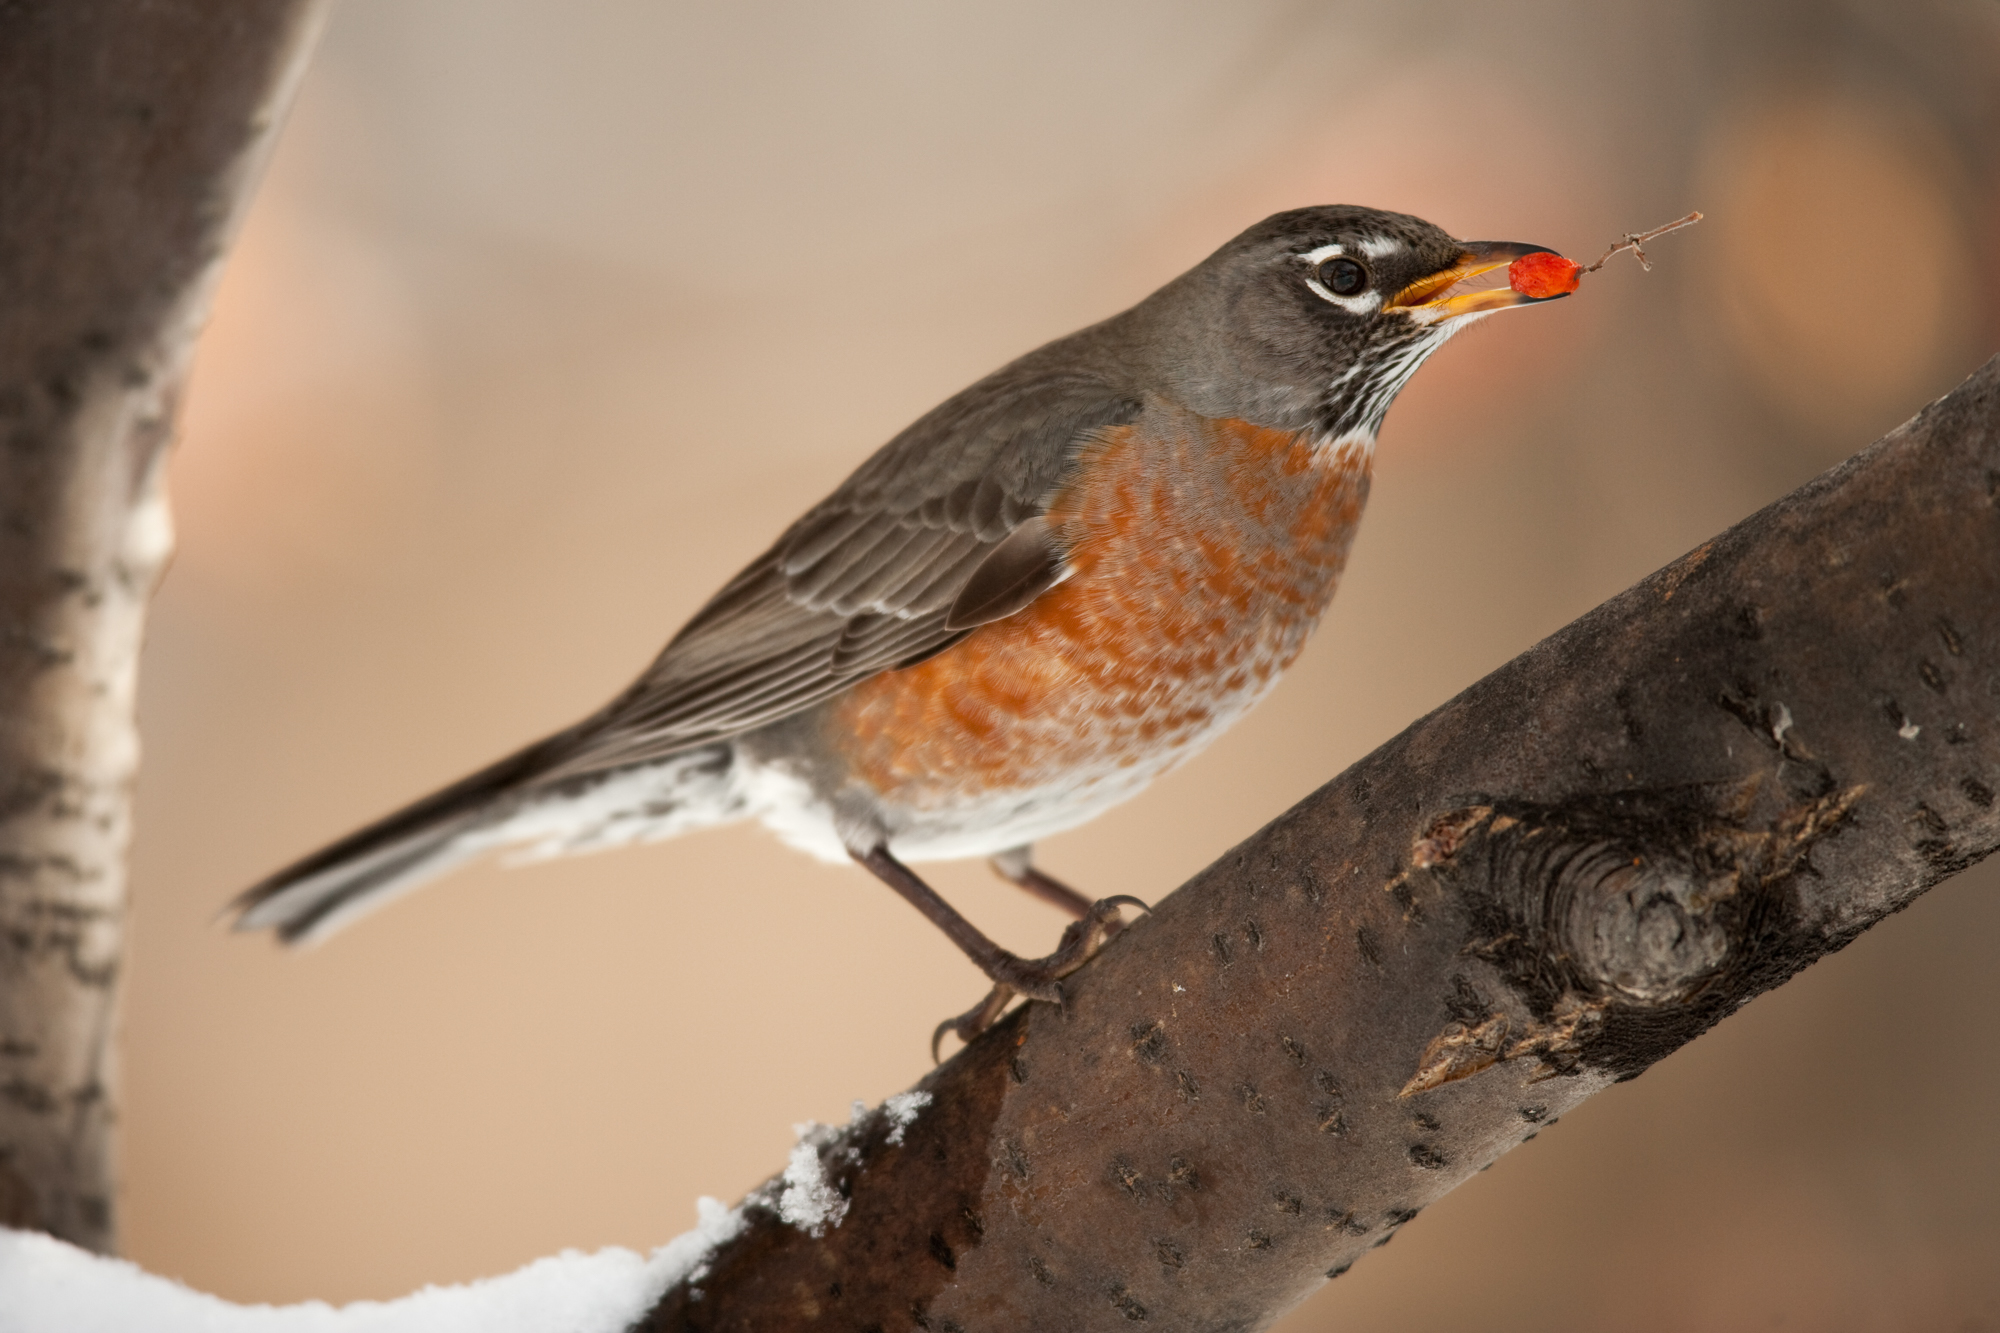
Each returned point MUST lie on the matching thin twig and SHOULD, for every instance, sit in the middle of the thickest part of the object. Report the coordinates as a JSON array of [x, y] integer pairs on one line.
[[1633, 239]]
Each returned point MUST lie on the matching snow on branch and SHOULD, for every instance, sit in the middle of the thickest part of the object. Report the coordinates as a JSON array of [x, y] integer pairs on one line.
[[48, 1286]]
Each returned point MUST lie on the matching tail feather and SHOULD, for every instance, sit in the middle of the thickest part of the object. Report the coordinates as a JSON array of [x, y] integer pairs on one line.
[[310, 898], [308, 910], [511, 802]]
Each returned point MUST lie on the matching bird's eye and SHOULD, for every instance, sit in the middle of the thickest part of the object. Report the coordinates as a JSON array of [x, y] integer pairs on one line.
[[1343, 276]]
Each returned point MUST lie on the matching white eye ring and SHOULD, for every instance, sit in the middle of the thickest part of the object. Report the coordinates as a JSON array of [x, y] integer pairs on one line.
[[1365, 304]]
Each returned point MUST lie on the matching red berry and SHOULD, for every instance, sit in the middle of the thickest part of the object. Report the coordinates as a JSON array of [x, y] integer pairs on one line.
[[1542, 275]]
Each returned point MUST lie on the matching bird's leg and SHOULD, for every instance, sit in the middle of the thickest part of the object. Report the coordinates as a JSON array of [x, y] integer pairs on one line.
[[1036, 978], [1016, 867], [1002, 967]]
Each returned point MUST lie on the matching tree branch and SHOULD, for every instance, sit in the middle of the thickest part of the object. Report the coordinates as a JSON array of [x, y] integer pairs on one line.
[[1559, 877], [130, 135]]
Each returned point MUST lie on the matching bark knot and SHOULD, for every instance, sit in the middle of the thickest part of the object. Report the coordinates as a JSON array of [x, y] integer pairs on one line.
[[1613, 919]]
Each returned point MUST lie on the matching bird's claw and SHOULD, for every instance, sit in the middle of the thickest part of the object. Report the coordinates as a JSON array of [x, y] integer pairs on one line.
[[1040, 978], [976, 1019]]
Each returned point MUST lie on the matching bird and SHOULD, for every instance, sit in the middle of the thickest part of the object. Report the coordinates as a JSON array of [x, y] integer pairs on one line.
[[1050, 589]]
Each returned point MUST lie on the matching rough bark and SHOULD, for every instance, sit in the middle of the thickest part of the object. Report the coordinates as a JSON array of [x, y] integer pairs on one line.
[[130, 134], [1540, 889]]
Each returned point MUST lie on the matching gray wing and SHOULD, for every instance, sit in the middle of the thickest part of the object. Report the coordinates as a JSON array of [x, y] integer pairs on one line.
[[905, 558]]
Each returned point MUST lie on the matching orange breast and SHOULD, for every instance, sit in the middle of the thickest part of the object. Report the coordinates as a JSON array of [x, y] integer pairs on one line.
[[1204, 552]]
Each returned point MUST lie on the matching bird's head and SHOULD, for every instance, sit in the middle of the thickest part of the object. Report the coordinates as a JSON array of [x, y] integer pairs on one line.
[[1315, 318]]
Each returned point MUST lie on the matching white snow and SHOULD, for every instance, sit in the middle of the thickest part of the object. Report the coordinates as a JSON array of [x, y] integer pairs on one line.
[[901, 1110], [47, 1286], [807, 1199], [805, 1196]]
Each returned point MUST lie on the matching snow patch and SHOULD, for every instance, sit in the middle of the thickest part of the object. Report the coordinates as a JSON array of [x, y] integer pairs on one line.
[[806, 1198], [685, 1257], [901, 1111], [48, 1286]]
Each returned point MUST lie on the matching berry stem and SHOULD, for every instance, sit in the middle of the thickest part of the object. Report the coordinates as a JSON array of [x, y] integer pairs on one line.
[[1633, 240]]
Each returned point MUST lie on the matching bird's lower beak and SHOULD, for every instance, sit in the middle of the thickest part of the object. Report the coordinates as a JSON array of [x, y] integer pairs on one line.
[[1430, 300]]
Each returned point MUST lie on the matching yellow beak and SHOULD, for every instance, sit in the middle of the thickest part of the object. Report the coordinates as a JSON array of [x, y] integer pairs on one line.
[[1428, 301]]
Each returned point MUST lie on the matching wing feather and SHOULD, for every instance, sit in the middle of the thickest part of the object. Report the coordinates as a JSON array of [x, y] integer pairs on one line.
[[863, 582], [932, 585]]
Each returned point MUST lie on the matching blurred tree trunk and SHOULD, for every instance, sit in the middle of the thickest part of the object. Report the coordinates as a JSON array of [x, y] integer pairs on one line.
[[1556, 879], [131, 133]]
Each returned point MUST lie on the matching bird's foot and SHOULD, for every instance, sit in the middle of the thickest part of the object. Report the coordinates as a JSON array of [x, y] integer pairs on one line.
[[1082, 938], [1040, 978], [973, 1021]]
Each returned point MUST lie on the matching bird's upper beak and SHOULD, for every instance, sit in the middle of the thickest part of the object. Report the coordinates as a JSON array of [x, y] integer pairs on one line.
[[1428, 301]]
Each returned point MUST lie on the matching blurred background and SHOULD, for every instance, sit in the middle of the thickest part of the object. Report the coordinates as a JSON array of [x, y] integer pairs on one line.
[[549, 316]]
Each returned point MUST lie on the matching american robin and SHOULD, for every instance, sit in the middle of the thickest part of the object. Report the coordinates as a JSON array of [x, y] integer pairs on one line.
[[1050, 589]]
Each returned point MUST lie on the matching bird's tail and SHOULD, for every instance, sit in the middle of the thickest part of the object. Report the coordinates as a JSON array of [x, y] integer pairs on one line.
[[498, 805]]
